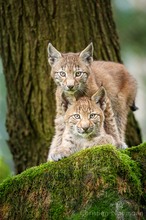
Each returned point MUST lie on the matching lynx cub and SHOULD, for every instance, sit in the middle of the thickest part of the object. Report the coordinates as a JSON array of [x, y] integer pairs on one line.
[[76, 75], [84, 126]]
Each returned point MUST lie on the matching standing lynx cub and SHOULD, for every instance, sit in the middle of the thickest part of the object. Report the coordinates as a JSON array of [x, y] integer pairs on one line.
[[84, 126], [76, 75]]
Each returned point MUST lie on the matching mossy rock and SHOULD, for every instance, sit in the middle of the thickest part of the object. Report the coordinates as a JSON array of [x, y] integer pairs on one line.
[[96, 183], [138, 154]]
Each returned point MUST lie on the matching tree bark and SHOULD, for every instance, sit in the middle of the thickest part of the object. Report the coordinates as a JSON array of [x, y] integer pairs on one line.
[[99, 183], [26, 28]]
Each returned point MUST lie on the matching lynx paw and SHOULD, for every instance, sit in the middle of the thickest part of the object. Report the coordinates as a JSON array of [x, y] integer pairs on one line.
[[122, 145], [58, 154]]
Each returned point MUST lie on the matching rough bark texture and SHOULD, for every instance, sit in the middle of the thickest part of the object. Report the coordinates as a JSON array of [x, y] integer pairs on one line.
[[26, 28], [100, 183]]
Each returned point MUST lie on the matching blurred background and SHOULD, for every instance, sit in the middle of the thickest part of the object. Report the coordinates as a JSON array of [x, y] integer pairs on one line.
[[130, 17]]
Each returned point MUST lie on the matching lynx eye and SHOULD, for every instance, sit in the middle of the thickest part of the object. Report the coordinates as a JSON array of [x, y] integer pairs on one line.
[[78, 74], [62, 74], [93, 115], [76, 116]]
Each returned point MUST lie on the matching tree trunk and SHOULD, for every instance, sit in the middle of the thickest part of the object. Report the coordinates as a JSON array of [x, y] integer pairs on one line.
[[26, 28], [99, 183]]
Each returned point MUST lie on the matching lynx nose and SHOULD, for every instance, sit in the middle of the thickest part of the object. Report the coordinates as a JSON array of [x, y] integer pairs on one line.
[[85, 129], [85, 126], [70, 87]]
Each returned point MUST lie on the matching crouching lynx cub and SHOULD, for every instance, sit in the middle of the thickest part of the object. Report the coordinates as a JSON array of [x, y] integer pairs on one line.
[[84, 126], [77, 75]]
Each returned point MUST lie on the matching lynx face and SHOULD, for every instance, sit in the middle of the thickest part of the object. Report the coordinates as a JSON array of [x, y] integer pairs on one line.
[[84, 118], [71, 76], [71, 70]]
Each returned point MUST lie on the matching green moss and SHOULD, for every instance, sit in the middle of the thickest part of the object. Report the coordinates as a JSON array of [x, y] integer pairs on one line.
[[138, 154], [74, 185], [109, 206], [140, 149]]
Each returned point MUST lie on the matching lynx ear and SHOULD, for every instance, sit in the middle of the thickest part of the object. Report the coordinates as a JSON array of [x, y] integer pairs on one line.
[[53, 54], [87, 54], [100, 96]]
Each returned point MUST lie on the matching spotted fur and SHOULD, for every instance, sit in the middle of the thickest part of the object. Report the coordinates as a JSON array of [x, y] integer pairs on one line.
[[85, 126], [77, 75]]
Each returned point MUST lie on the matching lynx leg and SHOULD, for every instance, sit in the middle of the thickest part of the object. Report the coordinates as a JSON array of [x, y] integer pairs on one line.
[[57, 139], [65, 149], [115, 126]]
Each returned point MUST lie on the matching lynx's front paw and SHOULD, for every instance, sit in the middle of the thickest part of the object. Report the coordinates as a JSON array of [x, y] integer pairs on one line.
[[58, 154], [121, 145]]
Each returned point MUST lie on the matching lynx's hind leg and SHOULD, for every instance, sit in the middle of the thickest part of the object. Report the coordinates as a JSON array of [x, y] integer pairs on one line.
[[112, 127]]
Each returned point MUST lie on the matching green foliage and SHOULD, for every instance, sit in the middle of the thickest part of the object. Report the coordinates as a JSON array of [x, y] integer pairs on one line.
[[131, 27], [97, 183], [4, 170], [138, 154]]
